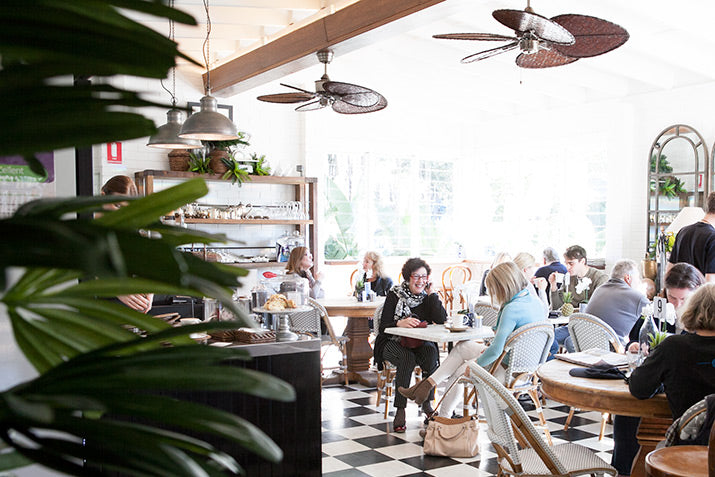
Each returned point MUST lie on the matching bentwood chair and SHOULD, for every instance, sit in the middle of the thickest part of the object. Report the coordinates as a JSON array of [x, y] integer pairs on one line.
[[525, 349], [590, 332], [451, 276], [506, 419]]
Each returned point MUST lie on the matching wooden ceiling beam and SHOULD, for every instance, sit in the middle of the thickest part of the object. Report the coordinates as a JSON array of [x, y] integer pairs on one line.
[[352, 27]]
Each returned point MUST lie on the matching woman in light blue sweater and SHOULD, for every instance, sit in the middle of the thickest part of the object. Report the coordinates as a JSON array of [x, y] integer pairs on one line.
[[509, 288]]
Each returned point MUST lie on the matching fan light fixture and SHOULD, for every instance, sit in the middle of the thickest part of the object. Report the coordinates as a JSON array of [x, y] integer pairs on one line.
[[208, 124], [167, 136]]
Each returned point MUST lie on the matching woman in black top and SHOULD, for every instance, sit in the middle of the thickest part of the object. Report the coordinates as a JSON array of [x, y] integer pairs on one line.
[[682, 365], [406, 305], [374, 274]]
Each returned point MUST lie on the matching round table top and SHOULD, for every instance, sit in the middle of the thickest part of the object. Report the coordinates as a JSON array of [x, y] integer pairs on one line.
[[685, 461], [350, 307], [604, 395]]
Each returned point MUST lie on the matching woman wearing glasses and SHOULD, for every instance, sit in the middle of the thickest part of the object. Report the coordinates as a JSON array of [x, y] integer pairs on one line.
[[406, 305]]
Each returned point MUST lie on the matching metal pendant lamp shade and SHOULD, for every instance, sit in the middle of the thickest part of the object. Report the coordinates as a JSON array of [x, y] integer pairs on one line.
[[208, 124], [167, 136]]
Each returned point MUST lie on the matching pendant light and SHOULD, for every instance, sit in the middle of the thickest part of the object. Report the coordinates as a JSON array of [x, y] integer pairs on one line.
[[208, 124], [167, 136]]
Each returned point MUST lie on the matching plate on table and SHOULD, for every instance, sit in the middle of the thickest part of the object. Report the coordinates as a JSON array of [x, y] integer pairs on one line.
[[456, 329]]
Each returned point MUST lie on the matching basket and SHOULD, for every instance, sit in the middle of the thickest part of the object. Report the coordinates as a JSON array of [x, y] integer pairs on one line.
[[179, 160], [216, 163]]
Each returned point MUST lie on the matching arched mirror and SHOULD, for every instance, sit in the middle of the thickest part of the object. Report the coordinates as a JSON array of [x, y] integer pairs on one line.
[[679, 176]]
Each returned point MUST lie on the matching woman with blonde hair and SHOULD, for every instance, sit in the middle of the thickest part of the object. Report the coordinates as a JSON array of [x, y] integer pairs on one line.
[[501, 257], [300, 262], [374, 274], [537, 285], [509, 289]]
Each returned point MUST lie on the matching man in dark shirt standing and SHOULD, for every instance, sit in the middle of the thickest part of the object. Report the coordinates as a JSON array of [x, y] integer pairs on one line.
[[695, 244]]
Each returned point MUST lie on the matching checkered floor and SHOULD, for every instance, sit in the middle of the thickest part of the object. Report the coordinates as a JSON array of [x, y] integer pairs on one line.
[[357, 441]]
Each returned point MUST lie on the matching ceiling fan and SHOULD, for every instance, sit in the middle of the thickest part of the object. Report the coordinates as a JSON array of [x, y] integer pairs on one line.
[[545, 42], [344, 98]]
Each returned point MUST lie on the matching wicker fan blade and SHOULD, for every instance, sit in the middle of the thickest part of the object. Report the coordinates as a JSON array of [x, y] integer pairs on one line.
[[287, 97], [474, 36], [543, 59], [352, 93], [312, 106], [298, 89], [594, 36], [542, 27], [482, 55], [343, 107]]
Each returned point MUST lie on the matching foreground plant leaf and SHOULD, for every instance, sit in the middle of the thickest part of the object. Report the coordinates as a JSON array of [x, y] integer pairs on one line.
[[118, 381]]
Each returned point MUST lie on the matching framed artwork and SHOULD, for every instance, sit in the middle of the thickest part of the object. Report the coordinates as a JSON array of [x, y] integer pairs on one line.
[[225, 109]]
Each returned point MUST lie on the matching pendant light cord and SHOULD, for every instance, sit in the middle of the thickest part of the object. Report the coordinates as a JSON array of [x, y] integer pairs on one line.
[[173, 68], [206, 48]]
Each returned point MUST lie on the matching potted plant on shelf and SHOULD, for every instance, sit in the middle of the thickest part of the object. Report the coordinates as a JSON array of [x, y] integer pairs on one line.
[[220, 150]]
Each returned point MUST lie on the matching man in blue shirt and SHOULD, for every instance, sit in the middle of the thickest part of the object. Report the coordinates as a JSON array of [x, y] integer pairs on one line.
[[551, 265]]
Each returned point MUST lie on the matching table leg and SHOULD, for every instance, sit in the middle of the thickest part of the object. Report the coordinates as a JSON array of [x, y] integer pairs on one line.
[[650, 431], [359, 351]]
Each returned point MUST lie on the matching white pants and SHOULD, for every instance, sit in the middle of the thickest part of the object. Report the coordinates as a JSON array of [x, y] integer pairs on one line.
[[452, 368]]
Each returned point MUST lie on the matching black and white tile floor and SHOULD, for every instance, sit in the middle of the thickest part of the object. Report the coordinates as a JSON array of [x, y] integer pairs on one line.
[[357, 441]]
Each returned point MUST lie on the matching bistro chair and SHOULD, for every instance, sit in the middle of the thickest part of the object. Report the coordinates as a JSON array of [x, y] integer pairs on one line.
[[590, 332], [386, 376], [489, 314], [525, 349], [451, 276], [309, 323], [535, 458]]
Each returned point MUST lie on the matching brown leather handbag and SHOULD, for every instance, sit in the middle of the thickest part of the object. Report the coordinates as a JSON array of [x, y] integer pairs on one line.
[[412, 343]]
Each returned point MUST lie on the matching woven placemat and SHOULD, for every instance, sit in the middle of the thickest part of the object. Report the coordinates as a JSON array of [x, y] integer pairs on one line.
[[245, 335]]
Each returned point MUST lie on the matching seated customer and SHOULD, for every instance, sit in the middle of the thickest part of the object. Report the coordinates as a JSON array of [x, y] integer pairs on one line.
[[518, 307], [619, 301], [300, 262], [374, 274], [413, 297], [578, 270], [681, 280], [551, 265], [501, 257], [537, 286]]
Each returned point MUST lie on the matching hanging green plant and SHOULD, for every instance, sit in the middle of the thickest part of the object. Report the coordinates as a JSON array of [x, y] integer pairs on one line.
[[199, 163]]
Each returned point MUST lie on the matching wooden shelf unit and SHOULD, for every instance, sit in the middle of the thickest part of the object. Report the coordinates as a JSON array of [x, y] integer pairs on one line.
[[306, 192]]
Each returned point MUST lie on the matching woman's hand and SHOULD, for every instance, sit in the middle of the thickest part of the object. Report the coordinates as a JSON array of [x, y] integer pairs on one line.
[[138, 302], [318, 276], [428, 288], [633, 348], [409, 322], [540, 283]]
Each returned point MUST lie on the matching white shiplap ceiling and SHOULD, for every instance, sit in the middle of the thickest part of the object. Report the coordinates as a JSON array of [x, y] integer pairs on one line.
[[671, 46]]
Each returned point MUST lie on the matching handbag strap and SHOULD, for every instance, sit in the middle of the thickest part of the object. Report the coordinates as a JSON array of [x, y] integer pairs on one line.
[[445, 395]]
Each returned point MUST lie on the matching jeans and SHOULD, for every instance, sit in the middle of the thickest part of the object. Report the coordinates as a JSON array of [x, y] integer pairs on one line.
[[561, 337]]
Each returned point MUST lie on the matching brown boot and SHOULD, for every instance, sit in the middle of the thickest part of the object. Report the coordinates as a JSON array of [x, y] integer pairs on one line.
[[419, 392]]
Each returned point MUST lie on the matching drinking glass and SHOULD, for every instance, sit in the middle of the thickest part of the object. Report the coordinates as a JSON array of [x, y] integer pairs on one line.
[[633, 357]]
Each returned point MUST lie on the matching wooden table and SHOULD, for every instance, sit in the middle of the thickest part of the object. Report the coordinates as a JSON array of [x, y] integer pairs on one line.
[[359, 350], [612, 396]]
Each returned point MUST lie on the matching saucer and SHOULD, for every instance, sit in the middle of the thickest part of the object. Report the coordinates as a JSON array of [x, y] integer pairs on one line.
[[455, 329]]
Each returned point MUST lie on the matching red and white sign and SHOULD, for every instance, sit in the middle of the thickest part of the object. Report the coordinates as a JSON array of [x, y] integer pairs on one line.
[[114, 152]]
